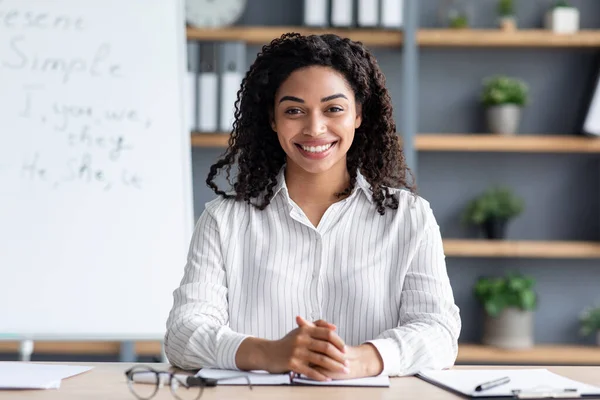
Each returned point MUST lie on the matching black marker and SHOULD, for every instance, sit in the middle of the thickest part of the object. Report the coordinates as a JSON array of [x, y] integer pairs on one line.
[[492, 384]]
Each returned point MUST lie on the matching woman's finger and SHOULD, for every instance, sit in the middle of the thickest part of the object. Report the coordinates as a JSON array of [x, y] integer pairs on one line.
[[324, 324], [302, 322], [327, 348], [326, 362], [311, 373], [328, 336]]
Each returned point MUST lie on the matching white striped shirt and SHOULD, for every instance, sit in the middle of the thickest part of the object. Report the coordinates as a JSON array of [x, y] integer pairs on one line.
[[379, 279]]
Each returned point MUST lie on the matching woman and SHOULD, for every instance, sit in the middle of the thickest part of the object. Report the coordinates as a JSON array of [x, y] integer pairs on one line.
[[322, 261]]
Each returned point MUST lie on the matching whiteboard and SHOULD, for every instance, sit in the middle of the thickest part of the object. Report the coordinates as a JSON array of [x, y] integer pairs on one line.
[[95, 183]]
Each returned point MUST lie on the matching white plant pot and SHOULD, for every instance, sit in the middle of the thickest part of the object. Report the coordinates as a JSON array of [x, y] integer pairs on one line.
[[562, 20], [512, 329], [508, 24], [503, 119]]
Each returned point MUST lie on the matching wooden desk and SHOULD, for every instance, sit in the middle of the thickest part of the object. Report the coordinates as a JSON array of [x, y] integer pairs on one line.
[[107, 381]]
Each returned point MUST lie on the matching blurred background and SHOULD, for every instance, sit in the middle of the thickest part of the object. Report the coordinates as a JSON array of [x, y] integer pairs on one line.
[[495, 103]]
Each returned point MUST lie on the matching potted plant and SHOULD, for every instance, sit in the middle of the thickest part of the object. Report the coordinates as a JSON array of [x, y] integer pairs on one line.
[[562, 18], [458, 20], [590, 322], [508, 303], [454, 14], [492, 210], [507, 15], [504, 97]]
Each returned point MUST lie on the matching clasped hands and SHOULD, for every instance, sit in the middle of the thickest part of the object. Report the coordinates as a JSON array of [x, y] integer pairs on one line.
[[316, 351]]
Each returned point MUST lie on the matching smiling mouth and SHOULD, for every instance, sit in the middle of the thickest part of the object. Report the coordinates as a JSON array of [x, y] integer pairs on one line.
[[316, 149]]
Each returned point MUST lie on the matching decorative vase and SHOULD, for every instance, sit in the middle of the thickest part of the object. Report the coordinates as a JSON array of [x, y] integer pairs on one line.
[[494, 228], [512, 329], [563, 20], [504, 119], [508, 24]]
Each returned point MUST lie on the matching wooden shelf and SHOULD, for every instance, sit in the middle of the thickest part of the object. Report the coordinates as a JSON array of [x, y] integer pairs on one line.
[[541, 354], [467, 354], [146, 348], [467, 143], [498, 143], [214, 140], [498, 38], [259, 35], [520, 249]]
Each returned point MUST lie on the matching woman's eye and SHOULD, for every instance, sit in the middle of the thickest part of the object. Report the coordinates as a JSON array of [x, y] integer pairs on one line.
[[335, 109], [293, 111]]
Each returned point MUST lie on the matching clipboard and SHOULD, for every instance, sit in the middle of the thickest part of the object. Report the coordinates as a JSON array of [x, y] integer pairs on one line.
[[524, 384]]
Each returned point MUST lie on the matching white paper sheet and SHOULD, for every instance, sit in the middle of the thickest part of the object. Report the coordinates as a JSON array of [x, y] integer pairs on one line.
[[18, 375], [375, 381], [256, 377], [264, 378], [529, 380]]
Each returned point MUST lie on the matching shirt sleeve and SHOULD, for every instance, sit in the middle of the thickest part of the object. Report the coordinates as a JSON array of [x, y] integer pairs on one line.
[[198, 335], [429, 321]]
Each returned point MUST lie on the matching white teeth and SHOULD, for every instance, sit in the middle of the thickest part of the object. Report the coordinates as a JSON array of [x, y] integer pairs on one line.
[[317, 149]]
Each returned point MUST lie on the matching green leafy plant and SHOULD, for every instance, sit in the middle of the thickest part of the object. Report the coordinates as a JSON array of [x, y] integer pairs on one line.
[[562, 3], [496, 203], [514, 290], [590, 320], [506, 8], [459, 21], [501, 89]]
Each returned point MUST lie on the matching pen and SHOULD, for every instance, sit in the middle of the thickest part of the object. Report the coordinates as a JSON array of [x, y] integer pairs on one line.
[[492, 384]]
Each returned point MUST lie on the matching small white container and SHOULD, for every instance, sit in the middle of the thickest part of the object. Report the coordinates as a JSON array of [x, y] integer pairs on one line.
[[562, 20]]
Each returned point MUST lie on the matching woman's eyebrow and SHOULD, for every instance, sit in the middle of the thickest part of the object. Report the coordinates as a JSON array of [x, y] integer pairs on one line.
[[333, 96], [324, 99], [291, 98]]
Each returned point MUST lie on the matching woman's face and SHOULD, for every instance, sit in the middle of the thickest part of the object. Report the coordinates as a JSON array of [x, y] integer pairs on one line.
[[315, 115]]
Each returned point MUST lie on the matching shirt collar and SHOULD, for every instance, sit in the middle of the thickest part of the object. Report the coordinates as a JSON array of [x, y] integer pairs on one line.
[[361, 183]]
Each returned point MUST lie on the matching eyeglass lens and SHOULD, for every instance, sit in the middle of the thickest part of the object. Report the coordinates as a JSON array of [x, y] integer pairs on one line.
[[143, 383], [181, 391]]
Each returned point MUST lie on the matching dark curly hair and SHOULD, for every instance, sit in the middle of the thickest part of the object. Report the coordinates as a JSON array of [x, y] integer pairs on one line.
[[375, 151]]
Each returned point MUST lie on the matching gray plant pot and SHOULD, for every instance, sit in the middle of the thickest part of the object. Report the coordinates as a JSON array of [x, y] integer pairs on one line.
[[504, 119], [512, 329]]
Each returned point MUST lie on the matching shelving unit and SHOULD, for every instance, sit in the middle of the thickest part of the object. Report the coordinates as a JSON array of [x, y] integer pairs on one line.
[[466, 142], [472, 142], [259, 35], [521, 249]]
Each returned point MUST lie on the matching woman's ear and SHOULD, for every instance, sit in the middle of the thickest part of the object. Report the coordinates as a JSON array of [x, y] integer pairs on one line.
[[272, 121], [358, 120]]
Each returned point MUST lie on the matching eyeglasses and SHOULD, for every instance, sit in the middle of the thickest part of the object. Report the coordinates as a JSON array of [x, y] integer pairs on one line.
[[144, 382]]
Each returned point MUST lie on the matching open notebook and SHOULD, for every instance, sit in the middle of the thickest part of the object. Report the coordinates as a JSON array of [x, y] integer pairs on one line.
[[228, 377], [524, 383]]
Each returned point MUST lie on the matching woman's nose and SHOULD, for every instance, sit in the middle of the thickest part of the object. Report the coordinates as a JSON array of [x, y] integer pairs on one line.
[[315, 125]]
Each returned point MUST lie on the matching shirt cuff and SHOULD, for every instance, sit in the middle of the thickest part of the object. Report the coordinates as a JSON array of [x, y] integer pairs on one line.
[[388, 350], [229, 342]]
